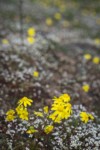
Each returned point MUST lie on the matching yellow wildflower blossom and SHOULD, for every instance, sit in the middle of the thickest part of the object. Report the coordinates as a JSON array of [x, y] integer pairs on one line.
[[25, 101], [10, 112], [49, 21], [5, 41], [96, 60], [87, 56], [48, 129], [31, 40], [65, 97], [84, 117], [45, 109], [36, 74], [31, 130], [57, 16], [10, 115], [39, 114], [61, 111], [24, 114], [91, 116], [85, 87], [19, 109], [31, 31], [62, 98]]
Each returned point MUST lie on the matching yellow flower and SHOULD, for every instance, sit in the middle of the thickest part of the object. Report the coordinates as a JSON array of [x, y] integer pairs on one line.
[[48, 129], [61, 111], [86, 88], [10, 115], [19, 109], [10, 112], [31, 130], [45, 109], [5, 41], [49, 21], [25, 101], [84, 117], [57, 16], [23, 114], [65, 97], [96, 60], [62, 98], [87, 56], [39, 114], [91, 117], [31, 40], [97, 41], [31, 31], [36, 74]]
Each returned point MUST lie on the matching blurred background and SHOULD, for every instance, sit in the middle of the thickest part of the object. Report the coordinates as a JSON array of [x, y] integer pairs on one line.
[[50, 37]]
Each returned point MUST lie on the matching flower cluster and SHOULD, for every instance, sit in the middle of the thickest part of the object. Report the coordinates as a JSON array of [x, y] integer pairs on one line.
[[54, 127], [31, 35], [21, 110], [95, 60], [61, 107], [86, 116]]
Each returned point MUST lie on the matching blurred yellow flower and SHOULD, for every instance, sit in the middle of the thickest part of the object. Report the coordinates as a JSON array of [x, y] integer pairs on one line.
[[24, 114], [36, 74], [87, 56], [91, 116], [57, 16], [31, 40], [39, 114], [65, 97], [97, 41], [85, 87], [46, 109], [10, 112], [31, 130], [49, 21], [96, 60], [19, 109], [31, 32], [48, 129], [10, 115], [62, 98], [84, 117], [25, 101], [5, 41]]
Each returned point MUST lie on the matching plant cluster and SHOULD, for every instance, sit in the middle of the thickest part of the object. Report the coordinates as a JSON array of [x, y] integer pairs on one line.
[[62, 126]]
